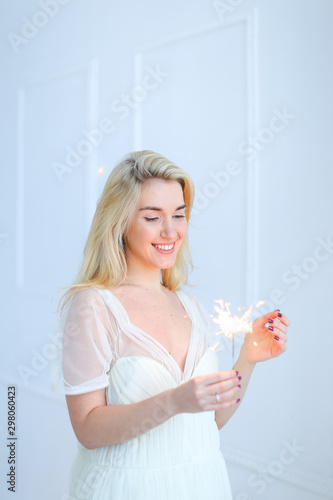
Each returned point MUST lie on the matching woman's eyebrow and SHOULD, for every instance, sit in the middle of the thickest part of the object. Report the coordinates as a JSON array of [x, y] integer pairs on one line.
[[161, 209]]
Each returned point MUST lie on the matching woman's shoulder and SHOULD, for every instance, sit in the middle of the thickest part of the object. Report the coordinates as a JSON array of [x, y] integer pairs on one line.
[[96, 303], [86, 293], [91, 297]]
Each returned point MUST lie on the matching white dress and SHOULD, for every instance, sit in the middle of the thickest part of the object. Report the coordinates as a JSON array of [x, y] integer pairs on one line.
[[179, 459]]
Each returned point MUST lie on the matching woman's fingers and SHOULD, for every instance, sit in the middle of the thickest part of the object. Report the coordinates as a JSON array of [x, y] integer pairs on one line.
[[276, 324], [227, 388], [199, 393], [284, 320], [224, 404], [278, 330], [227, 385], [279, 326], [220, 376], [274, 315], [227, 395], [224, 383]]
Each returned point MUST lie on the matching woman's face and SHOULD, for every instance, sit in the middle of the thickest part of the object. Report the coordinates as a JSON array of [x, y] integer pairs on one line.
[[159, 220]]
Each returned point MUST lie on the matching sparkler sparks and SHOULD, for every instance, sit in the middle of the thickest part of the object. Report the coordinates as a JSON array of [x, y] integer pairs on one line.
[[231, 325]]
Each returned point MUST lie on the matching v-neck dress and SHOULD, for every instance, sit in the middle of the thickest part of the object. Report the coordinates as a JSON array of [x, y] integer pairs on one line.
[[98, 347]]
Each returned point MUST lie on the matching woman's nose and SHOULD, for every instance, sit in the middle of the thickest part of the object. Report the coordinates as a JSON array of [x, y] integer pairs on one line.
[[168, 230]]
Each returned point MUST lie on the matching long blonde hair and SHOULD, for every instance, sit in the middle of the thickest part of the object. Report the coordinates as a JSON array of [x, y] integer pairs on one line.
[[104, 263]]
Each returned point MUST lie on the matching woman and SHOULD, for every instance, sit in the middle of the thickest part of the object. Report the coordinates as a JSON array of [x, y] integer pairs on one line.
[[145, 391]]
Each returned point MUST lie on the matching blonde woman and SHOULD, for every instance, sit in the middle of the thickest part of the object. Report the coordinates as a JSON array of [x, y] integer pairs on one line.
[[145, 392]]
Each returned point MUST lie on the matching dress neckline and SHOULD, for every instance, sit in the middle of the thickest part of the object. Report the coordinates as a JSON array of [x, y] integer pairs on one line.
[[150, 337]]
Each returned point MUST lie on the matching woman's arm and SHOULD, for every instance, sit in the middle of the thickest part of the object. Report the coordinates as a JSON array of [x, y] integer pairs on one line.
[[95, 424], [245, 369], [261, 344]]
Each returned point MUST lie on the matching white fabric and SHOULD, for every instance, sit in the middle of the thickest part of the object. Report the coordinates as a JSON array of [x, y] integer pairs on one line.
[[179, 459]]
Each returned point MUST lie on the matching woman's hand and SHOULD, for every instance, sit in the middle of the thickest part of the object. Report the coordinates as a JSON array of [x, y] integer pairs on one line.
[[198, 394], [268, 337]]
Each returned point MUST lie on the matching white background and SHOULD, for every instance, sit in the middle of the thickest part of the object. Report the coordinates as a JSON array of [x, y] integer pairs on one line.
[[219, 74]]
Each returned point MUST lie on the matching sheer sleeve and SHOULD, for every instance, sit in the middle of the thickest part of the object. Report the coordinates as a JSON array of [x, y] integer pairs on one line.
[[86, 345]]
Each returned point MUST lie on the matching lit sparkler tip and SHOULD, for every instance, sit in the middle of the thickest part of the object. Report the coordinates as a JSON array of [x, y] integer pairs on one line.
[[231, 325]]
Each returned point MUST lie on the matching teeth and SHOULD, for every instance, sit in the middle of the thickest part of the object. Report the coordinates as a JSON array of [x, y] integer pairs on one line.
[[164, 247]]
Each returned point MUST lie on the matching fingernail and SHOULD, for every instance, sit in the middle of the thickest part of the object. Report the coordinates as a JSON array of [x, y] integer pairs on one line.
[[239, 378], [271, 328], [277, 338], [238, 400], [236, 372], [239, 387], [270, 320], [280, 315]]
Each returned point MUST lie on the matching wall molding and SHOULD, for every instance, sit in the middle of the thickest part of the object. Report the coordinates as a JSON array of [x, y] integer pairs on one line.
[[252, 173], [311, 481], [171, 40], [90, 70]]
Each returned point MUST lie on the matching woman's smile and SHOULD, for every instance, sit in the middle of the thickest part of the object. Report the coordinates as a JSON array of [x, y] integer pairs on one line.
[[165, 248]]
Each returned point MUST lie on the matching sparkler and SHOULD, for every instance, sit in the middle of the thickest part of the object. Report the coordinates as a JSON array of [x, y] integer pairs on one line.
[[231, 325]]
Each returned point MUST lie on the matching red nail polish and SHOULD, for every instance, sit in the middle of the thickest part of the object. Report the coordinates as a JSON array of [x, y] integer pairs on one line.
[[280, 315], [276, 337], [238, 400], [239, 387], [236, 372], [271, 328], [239, 378], [270, 320]]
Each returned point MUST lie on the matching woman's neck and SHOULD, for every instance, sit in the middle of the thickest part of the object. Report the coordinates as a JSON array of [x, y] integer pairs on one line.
[[151, 283]]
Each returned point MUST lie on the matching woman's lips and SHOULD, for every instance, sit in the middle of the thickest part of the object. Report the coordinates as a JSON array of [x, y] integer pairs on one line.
[[165, 251]]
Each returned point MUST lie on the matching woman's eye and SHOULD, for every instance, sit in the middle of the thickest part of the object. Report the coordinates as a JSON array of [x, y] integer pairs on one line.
[[156, 218]]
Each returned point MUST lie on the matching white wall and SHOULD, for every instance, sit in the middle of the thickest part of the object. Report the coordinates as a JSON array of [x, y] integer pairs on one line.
[[219, 74]]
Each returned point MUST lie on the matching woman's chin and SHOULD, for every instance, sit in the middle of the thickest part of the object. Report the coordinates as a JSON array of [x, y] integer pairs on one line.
[[167, 265]]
